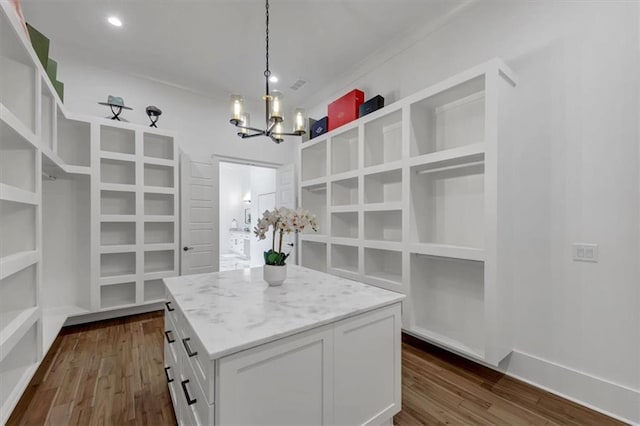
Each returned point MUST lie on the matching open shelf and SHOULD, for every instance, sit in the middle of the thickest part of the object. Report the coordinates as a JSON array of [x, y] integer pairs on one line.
[[158, 146], [344, 192], [314, 161], [383, 139], [18, 294], [344, 151], [17, 228], [18, 82], [47, 117], [117, 203], [158, 261], [344, 258], [113, 139], [117, 233], [157, 175], [158, 232], [153, 290], [384, 225], [314, 199], [117, 264], [17, 159], [384, 187], [314, 255], [450, 294], [344, 225], [117, 295], [449, 119], [447, 205], [383, 265], [158, 204], [17, 366], [117, 171], [74, 141]]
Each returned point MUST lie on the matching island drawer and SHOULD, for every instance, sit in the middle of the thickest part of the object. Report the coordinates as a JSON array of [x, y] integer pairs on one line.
[[192, 397], [171, 372], [170, 307], [171, 339], [197, 356]]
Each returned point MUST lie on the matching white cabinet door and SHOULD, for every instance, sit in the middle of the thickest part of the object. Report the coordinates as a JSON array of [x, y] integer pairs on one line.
[[288, 382], [368, 368]]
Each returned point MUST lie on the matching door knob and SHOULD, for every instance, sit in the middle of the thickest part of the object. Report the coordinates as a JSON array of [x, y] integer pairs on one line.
[[187, 248]]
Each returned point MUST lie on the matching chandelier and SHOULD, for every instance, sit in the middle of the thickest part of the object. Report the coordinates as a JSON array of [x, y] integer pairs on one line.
[[273, 107]]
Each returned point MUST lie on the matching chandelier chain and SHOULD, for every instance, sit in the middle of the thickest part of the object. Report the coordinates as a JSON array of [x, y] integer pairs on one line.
[[267, 72]]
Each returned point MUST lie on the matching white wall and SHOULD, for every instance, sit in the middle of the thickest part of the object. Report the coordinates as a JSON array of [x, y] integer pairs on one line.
[[263, 181], [235, 184], [578, 155], [201, 121]]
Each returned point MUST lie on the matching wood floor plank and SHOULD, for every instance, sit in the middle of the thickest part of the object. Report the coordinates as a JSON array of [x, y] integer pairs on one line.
[[111, 373]]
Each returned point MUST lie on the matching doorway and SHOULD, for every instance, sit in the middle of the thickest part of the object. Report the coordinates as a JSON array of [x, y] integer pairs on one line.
[[246, 191]]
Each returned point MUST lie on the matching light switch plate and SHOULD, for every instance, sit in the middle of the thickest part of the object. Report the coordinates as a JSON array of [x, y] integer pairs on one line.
[[585, 252]]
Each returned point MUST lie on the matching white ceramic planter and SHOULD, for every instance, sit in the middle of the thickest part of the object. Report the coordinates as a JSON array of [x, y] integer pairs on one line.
[[274, 275]]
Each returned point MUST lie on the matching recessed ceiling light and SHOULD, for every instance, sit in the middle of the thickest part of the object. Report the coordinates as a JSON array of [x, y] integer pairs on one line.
[[115, 21], [273, 79]]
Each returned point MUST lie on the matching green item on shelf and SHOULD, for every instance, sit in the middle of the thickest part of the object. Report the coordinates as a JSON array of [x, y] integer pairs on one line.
[[52, 69], [59, 86], [40, 44]]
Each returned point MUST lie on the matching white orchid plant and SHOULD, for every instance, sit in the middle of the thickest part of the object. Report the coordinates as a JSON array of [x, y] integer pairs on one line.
[[283, 221]]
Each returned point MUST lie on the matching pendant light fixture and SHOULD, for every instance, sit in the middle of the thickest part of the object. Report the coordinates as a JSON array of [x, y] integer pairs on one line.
[[273, 108]]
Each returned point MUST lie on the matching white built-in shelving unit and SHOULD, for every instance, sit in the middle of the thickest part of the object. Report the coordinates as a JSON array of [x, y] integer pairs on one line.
[[88, 208], [413, 197]]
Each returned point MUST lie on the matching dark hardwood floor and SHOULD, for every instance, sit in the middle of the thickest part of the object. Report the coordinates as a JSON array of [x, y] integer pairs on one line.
[[111, 373]]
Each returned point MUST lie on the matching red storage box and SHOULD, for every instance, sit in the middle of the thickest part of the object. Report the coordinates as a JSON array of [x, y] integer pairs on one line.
[[345, 109]]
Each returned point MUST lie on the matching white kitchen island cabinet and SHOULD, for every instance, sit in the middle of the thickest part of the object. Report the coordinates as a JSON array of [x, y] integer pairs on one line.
[[319, 350]]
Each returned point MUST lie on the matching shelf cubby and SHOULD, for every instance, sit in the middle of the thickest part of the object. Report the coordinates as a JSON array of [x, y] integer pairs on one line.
[[384, 225], [115, 295], [344, 151], [17, 293], [314, 161], [117, 233], [74, 141], [18, 82], [383, 264], [113, 139], [314, 255], [344, 225], [158, 204], [344, 192], [47, 117], [383, 139], [117, 171], [153, 290], [17, 228], [158, 261], [156, 175], [344, 258], [158, 232], [450, 294], [117, 203], [314, 199], [117, 264], [383, 187], [17, 159], [447, 205], [158, 146], [19, 363], [452, 118]]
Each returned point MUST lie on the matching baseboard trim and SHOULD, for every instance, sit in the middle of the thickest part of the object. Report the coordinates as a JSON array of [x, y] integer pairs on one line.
[[614, 400], [115, 313]]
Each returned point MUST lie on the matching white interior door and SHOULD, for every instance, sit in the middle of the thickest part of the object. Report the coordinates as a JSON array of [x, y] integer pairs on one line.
[[199, 217], [286, 197]]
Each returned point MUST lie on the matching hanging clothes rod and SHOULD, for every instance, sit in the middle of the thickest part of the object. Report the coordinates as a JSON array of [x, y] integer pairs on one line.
[[48, 176]]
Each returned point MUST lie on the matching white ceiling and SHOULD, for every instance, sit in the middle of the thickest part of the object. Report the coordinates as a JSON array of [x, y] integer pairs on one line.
[[216, 47]]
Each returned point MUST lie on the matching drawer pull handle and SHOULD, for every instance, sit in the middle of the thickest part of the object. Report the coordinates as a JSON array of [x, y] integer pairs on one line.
[[169, 339], [169, 308], [187, 348], [186, 393], [166, 373]]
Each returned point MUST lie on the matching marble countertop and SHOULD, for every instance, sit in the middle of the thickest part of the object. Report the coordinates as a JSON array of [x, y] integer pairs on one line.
[[235, 310]]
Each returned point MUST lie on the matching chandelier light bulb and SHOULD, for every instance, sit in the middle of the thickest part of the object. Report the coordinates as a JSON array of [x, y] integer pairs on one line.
[[236, 108], [298, 120]]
